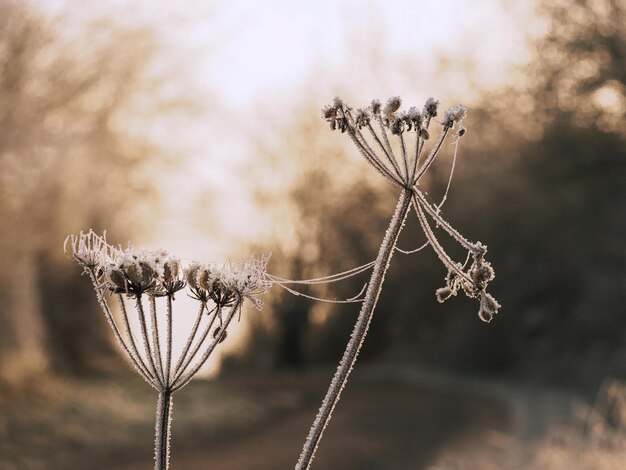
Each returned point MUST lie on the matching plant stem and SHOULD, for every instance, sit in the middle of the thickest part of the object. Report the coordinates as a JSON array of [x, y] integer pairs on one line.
[[162, 431], [358, 333]]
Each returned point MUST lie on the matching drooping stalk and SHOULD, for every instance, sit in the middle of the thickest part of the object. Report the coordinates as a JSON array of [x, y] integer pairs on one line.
[[359, 332], [162, 431]]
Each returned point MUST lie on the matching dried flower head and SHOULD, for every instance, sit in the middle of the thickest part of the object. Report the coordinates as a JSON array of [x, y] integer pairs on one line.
[[226, 284], [375, 107], [454, 115], [404, 167], [89, 250], [137, 278], [393, 104], [134, 272], [430, 108]]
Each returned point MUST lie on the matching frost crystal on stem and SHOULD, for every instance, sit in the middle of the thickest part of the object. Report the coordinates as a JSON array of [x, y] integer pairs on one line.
[[393, 141], [138, 277]]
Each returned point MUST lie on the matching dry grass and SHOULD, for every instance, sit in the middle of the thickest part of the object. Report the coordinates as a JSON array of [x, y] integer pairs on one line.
[[594, 440]]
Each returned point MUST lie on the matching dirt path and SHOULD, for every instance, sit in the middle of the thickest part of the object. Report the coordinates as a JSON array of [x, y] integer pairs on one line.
[[379, 424]]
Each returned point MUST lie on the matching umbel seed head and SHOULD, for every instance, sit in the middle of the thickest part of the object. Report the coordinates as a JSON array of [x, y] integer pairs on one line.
[[403, 160]]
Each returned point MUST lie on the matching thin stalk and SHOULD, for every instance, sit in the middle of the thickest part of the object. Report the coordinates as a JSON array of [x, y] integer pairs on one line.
[[380, 144], [439, 251], [181, 382], [194, 352], [464, 242], [163, 430], [363, 147], [168, 352], [109, 316], [404, 158], [133, 344], [431, 156], [386, 140], [190, 339], [156, 344], [146, 341], [373, 160], [358, 334]]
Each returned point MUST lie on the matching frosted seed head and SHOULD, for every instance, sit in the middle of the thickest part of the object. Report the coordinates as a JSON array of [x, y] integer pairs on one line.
[[116, 277], [133, 272], [482, 272], [430, 108], [205, 277], [414, 118], [191, 273], [396, 125], [217, 332], [393, 104], [227, 284], [89, 250], [329, 112], [454, 115], [334, 114], [443, 294], [375, 107], [143, 271], [171, 269], [148, 272], [489, 303], [362, 118], [484, 315], [479, 250]]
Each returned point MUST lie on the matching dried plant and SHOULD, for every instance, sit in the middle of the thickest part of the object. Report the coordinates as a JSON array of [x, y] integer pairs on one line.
[[593, 438], [393, 142], [140, 277]]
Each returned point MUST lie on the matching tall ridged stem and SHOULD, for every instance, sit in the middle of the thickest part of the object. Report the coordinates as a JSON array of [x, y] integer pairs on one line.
[[359, 332], [162, 431]]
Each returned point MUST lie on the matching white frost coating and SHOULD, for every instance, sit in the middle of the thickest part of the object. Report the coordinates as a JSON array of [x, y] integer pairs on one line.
[[350, 300], [415, 250], [326, 279]]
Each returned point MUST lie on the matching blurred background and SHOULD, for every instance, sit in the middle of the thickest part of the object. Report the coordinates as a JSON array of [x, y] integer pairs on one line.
[[195, 126]]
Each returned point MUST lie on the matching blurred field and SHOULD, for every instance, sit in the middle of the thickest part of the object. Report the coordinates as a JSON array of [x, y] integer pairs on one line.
[[390, 417], [386, 421]]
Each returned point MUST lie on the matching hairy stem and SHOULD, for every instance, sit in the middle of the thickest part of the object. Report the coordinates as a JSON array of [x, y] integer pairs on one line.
[[190, 339], [194, 351], [156, 344], [146, 342], [133, 345], [184, 380], [109, 316], [162, 431], [168, 355], [358, 334]]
